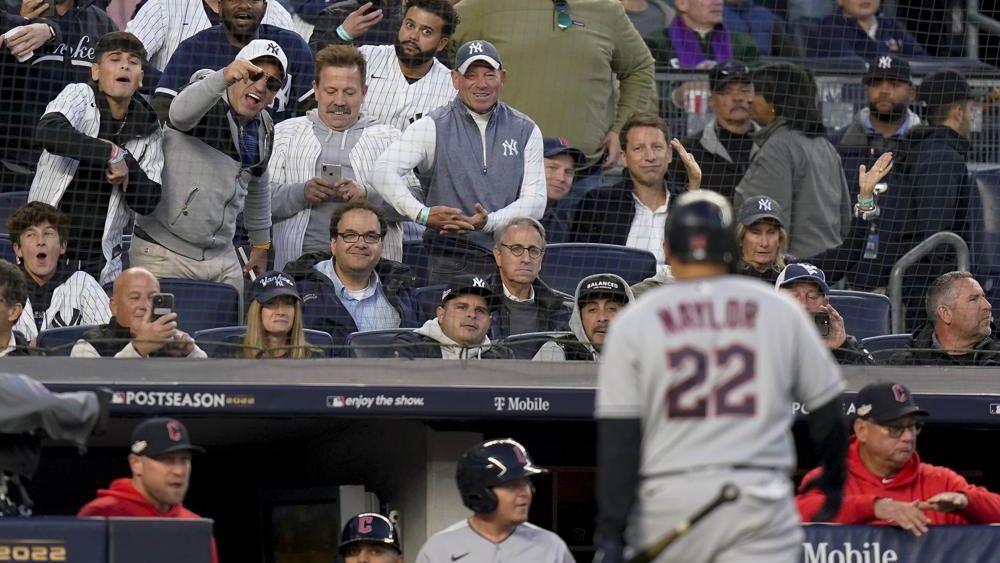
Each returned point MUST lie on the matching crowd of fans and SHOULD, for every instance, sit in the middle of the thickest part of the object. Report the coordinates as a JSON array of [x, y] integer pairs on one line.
[[475, 134]]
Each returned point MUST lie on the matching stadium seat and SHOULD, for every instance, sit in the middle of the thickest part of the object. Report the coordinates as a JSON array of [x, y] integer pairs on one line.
[[884, 346], [59, 341], [9, 202], [526, 345], [203, 304], [374, 343], [865, 314], [7, 249], [428, 298], [415, 257], [565, 264], [985, 225], [223, 342]]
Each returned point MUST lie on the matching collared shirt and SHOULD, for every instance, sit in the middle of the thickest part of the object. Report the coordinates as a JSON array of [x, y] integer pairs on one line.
[[516, 299], [369, 307], [646, 232]]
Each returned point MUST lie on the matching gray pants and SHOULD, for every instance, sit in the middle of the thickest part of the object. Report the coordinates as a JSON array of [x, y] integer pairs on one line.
[[441, 268], [756, 528]]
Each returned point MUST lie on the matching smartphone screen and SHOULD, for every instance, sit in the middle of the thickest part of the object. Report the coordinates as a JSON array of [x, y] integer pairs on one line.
[[163, 304]]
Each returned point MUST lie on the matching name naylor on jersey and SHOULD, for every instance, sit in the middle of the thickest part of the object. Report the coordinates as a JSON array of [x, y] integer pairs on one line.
[[180, 399], [703, 315]]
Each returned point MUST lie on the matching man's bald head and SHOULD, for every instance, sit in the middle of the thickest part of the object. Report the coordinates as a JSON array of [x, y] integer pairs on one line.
[[132, 297]]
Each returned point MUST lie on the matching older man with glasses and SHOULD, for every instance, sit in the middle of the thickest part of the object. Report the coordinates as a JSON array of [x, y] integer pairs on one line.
[[886, 481]]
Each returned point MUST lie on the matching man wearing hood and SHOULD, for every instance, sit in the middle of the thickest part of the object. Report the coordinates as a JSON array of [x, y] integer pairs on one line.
[[324, 160], [459, 332], [930, 191], [599, 298], [886, 481], [103, 156], [160, 461]]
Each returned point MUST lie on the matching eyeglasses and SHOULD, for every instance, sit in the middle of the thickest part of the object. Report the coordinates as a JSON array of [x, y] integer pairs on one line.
[[518, 250], [370, 237], [563, 21], [273, 84], [896, 430]]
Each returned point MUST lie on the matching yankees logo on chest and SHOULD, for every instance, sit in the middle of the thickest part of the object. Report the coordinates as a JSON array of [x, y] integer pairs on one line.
[[510, 147]]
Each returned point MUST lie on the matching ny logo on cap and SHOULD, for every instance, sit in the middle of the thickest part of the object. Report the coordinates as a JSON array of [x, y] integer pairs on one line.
[[476, 47], [885, 62], [278, 280], [899, 392], [509, 147], [810, 268], [272, 47], [365, 524], [174, 431], [478, 282], [764, 205]]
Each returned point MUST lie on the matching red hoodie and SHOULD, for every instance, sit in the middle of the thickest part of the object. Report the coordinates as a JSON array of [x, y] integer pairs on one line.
[[916, 481], [122, 499]]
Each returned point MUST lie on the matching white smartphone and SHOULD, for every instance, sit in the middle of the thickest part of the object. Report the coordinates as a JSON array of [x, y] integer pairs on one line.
[[243, 262], [331, 172]]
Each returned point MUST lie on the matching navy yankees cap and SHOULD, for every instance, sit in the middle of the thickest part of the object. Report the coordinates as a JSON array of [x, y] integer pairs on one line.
[[884, 401], [477, 50], [271, 285], [465, 285], [760, 207], [555, 146], [888, 67], [158, 436], [803, 272]]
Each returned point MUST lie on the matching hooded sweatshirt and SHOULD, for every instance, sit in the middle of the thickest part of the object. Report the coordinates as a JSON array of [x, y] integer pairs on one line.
[[915, 481], [579, 348], [122, 499], [451, 350]]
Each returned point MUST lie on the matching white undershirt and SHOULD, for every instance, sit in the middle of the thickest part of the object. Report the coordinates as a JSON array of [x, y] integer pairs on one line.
[[646, 232]]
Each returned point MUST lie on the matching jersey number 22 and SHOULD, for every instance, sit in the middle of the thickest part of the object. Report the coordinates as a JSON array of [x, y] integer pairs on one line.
[[689, 398]]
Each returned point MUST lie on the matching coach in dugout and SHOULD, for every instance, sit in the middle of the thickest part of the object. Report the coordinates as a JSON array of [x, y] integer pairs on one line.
[[160, 461], [886, 481]]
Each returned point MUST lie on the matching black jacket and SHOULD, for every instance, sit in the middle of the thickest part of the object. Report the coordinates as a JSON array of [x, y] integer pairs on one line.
[[414, 345], [768, 276], [21, 346], [852, 353], [719, 172], [605, 215], [922, 350], [109, 339], [554, 308], [323, 310]]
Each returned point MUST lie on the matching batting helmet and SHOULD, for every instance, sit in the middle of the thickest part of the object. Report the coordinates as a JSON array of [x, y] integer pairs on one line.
[[369, 527], [700, 228], [490, 464]]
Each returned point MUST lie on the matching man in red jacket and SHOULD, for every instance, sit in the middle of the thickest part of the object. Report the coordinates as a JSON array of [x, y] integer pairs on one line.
[[160, 460], [887, 483]]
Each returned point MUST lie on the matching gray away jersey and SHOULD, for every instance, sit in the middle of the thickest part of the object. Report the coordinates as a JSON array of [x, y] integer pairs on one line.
[[711, 367], [528, 544]]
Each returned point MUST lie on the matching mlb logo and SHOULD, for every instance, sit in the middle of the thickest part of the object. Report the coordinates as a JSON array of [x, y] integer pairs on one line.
[[118, 398], [335, 402], [994, 408]]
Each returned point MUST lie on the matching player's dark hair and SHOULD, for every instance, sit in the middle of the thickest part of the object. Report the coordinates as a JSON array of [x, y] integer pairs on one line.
[[341, 56], [13, 288], [119, 41], [440, 8], [643, 120], [36, 213], [937, 115], [791, 91], [338, 214], [942, 290]]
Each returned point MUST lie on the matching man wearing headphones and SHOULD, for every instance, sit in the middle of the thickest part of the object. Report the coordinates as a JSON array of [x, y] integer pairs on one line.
[[369, 538], [494, 479]]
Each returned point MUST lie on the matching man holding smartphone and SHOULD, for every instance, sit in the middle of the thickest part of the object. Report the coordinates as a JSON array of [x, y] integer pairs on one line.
[[806, 284]]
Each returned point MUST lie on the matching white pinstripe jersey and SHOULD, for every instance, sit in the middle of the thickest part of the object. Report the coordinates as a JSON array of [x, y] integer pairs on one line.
[[161, 25], [54, 173], [394, 101], [79, 300]]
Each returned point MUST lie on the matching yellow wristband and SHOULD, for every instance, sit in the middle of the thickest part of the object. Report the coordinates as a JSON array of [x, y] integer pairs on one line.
[[261, 246]]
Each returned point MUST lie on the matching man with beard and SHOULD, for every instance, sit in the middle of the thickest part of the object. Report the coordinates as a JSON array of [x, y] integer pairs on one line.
[[103, 156], [216, 47]]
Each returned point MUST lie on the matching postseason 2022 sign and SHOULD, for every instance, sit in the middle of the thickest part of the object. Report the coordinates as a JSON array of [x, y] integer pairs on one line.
[[887, 544]]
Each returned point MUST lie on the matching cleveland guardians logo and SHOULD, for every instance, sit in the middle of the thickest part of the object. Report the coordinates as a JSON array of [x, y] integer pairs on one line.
[[174, 431], [899, 392], [365, 524]]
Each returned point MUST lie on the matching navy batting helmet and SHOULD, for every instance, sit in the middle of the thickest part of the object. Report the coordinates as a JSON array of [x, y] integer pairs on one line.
[[700, 228], [490, 464], [369, 527]]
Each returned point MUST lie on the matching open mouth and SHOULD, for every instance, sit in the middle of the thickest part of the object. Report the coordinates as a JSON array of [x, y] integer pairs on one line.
[[252, 99], [244, 18], [123, 80]]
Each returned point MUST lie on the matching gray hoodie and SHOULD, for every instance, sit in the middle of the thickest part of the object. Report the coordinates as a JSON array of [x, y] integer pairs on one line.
[[450, 349], [581, 348]]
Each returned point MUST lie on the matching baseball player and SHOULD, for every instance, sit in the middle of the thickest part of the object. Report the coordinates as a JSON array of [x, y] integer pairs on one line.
[[370, 538], [494, 479], [695, 390]]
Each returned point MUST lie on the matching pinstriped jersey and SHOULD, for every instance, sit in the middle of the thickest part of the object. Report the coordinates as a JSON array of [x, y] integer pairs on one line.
[[391, 99], [711, 368], [79, 300]]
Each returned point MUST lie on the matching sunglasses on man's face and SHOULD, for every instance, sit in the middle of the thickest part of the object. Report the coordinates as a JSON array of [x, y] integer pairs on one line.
[[273, 84]]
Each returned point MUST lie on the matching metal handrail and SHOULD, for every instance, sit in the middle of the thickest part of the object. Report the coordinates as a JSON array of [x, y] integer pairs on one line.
[[916, 253], [976, 21]]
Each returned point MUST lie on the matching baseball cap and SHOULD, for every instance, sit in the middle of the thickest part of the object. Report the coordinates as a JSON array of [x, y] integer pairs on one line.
[[884, 401], [476, 50], [264, 48], [608, 285], [271, 285], [802, 272], [554, 146], [888, 67], [729, 71], [466, 284], [760, 207], [944, 88], [158, 436]]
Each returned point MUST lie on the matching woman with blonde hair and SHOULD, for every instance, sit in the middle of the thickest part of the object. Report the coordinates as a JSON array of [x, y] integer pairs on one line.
[[762, 238], [274, 320]]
